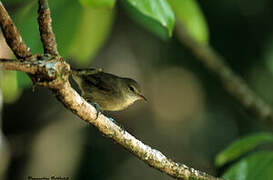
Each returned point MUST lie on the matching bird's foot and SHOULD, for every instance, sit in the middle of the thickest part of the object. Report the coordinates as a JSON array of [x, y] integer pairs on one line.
[[112, 119], [97, 107]]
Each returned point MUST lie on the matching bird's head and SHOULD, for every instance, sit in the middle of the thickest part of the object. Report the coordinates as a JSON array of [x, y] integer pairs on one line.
[[131, 90]]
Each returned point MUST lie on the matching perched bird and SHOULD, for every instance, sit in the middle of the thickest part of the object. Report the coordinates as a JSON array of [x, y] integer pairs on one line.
[[108, 91]]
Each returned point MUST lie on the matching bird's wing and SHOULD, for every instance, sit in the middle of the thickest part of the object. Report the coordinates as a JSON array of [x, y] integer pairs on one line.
[[85, 72], [99, 81]]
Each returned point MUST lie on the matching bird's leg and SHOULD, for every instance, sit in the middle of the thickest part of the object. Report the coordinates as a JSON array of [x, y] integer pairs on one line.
[[112, 119], [97, 107]]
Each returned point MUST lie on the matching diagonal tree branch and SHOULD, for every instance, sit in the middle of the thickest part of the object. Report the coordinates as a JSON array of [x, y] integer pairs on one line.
[[61, 87], [152, 157], [233, 83], [53, 73], [45, 27], [12, 35]]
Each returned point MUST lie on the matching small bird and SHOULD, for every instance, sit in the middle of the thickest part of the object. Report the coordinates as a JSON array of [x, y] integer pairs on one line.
[[108, 91]]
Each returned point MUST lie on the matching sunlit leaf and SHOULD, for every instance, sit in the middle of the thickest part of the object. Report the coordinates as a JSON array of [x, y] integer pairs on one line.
[[242, 146], [159, 10], [148, 23], [189, 14], [9, 87], [98, 3], [254, 167]]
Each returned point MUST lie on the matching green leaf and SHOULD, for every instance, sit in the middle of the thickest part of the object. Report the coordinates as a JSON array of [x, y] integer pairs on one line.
[[98, 3], [95, 26], [242, 146], [9, 86], [189, 14], [158, 10], [258, 166], [148, 23]]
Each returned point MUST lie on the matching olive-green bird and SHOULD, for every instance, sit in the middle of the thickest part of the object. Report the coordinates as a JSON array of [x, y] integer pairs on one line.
[[108, 91]]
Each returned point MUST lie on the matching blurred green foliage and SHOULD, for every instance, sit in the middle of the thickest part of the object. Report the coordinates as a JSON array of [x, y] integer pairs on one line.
[[255, 167], [188, 13], [268, 53], [9, 86], [99, 3], [94, 28], [242, 146]]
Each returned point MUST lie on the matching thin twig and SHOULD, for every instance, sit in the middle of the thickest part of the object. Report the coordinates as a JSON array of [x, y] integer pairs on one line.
[[35, 69], [46, 33], [15, 65], [233, 83], [12, 35]]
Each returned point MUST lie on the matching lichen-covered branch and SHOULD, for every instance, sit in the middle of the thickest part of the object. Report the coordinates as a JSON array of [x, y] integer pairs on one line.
[[46, 33], [233, 83], [15, 65], [12, 35], [71, 99]]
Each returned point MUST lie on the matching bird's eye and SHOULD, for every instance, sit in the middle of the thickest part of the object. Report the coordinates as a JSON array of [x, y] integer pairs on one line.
[[131, 88]]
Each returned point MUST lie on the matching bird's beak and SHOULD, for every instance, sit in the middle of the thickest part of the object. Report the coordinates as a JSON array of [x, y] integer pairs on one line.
[[142, 97]]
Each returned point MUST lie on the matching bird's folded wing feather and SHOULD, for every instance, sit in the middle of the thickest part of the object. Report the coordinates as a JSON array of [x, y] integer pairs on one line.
[[99, 82]]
